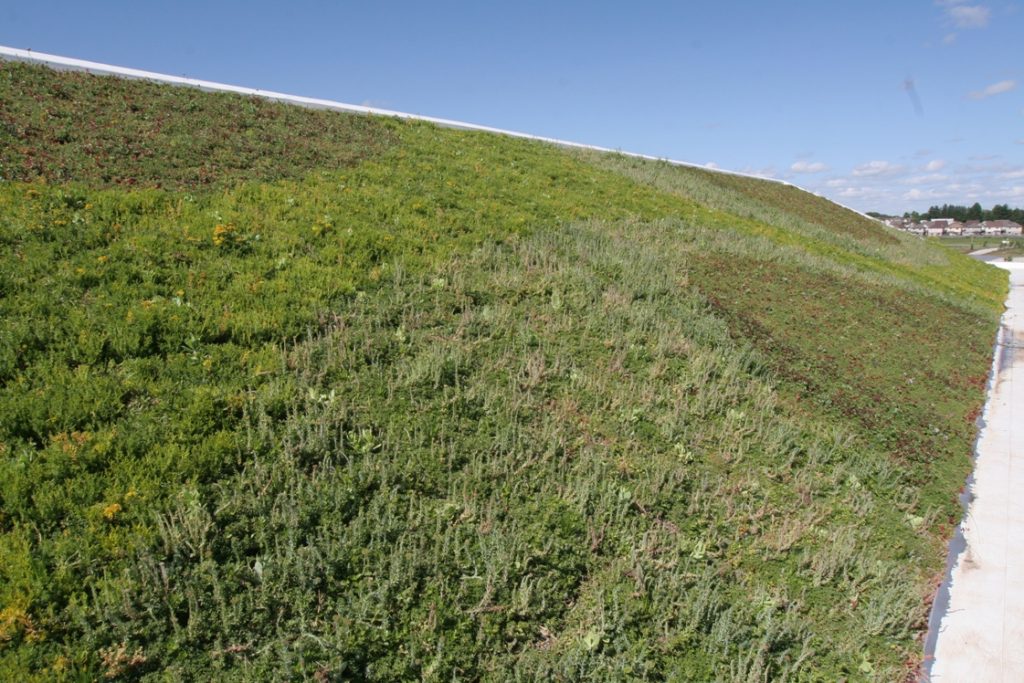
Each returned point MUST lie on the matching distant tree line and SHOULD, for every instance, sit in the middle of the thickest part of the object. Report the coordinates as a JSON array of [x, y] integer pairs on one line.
[[969, 213]]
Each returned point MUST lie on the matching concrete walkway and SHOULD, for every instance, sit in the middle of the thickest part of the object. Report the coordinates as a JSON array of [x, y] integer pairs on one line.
[[977, 632]]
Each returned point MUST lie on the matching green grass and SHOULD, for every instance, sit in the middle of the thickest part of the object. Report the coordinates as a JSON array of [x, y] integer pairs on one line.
[[402, 402], [81, 128], [1010, 247]]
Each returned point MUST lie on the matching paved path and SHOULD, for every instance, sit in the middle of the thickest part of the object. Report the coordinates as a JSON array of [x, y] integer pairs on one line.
[[980, 610], [982, 252]]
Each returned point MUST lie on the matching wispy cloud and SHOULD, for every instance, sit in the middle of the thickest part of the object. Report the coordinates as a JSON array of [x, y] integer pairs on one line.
[[873, 168], [894, 187], [964, 15], [854, 192], [949, 39], [926, 179], [994, 89], [762, 171], [808, 167], [916, 195]]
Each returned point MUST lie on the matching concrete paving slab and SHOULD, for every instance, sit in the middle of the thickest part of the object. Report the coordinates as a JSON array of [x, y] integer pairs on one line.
[[977, 629]]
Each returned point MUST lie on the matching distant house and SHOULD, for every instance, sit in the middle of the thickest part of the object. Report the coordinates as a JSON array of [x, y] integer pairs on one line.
[[937, 227], [973, 228], [1001, 227]]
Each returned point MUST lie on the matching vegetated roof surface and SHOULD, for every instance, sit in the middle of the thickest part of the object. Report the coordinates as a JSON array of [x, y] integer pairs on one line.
[[289, 393]]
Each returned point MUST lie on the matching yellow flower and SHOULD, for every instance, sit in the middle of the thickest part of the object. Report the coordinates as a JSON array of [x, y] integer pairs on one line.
[[111, 511], [14, 619], [223, 234]]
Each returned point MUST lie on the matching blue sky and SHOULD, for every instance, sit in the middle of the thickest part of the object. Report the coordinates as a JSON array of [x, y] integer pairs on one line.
[[818, 93]]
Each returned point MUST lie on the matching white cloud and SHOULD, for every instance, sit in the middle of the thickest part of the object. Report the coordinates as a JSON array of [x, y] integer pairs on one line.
[[1019, 173], [935, 165], [808, 167], [856, 192], [873, 168], [881, 193], [917, 195], [949, 39], [926, 179], [994, 89], [968, 16], [965, 187], [763, 172]]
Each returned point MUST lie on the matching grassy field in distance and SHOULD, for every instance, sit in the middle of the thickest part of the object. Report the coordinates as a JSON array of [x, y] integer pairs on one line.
[[973, 243]]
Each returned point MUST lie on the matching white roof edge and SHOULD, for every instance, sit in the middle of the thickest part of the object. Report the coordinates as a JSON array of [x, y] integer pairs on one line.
[[72, 64]]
